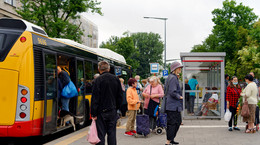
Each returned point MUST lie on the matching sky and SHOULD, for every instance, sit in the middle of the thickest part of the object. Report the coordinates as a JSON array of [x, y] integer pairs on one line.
[[189, 21]]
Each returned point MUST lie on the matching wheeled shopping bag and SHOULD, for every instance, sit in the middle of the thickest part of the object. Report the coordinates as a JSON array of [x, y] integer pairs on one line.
[[142, 125]]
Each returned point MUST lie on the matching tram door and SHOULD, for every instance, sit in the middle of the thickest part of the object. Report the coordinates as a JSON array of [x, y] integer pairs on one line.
[[50, 93], [81, 88]]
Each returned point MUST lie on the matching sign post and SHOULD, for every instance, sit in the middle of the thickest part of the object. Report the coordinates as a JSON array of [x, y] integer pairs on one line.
[[118, 71], [154, 68], [165, 73]]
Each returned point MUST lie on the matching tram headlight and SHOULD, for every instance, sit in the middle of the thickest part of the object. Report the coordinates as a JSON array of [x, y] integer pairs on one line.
[[23, 107]]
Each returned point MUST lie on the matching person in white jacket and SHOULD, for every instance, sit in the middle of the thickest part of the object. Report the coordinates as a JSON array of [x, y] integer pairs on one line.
[[250, 92]]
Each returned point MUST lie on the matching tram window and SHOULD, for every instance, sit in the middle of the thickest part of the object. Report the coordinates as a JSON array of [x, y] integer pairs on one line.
[[88, 76], [6, 42], [1, 40], [95, 68], [51, 83], [88, 70], [80, 77], [112, 69]]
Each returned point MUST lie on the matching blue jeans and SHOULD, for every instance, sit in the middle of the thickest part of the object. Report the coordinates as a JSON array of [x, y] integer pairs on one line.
[[65, 103]]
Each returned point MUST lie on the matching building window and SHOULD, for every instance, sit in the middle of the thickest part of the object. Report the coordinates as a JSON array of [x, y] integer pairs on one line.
[[11, 2]]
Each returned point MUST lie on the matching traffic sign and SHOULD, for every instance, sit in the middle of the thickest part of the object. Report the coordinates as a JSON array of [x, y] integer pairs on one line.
[[118, 71], [154, 68], [165, 73]]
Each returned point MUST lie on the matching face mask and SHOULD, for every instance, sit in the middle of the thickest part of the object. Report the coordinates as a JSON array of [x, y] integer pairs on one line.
[[247, 83], [235, 83], [138, 80]]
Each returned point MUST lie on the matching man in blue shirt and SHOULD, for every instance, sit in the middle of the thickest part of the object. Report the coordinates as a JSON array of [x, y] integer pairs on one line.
[[193, 83]]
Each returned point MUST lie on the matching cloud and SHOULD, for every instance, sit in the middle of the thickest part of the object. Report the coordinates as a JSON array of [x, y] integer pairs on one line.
[[189, 21]]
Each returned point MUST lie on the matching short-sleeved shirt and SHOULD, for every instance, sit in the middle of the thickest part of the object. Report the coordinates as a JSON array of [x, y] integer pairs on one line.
[[193, 83]]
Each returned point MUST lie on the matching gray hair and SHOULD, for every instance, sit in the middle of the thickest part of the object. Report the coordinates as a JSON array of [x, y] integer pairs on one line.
[[154, 78], [96, 75], [103, 66]]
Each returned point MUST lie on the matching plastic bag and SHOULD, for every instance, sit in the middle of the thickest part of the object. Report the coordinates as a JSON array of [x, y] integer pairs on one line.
[[69, 90], [227, 115], [92, 136]]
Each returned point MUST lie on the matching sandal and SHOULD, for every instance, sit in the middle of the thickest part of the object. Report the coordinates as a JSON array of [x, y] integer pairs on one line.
[[253, 130], [248, 131]]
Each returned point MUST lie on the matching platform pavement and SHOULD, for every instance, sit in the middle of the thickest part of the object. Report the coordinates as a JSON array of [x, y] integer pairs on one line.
[[193, 132]]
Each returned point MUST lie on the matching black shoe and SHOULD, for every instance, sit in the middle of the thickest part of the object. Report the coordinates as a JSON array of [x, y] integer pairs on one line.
[[230, 129], [236, 128], [174, 142]]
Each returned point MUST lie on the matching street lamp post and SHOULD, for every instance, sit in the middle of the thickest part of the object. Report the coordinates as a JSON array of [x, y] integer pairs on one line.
[[164, 36]]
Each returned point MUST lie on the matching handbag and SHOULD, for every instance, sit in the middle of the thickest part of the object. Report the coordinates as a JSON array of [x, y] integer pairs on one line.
[[69, 90], [152, 106], [163, 105], [245, 109], [92, 136]]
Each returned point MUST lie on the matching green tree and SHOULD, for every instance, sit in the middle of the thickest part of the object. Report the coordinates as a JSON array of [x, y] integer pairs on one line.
[[56, 16], [150, 48], [139, 50], [233, 25], [228, 21], [249, 56], [124, 46]]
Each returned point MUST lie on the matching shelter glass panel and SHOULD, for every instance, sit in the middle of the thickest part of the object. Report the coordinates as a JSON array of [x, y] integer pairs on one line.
[[202, 91]]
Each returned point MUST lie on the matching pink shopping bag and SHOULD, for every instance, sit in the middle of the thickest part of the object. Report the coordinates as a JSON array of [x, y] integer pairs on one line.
[[92, 136]]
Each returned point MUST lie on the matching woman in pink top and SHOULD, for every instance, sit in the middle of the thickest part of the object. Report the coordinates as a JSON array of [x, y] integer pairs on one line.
[[153, 91]]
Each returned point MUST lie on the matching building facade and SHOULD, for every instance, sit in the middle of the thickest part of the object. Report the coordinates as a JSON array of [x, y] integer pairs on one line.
[[90, 32], [8, 7]]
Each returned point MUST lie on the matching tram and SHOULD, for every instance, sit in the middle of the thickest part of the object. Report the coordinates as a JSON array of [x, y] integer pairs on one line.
[[29, 100]]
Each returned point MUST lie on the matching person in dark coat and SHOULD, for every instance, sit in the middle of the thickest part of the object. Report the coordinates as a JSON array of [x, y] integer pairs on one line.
[[124, 102], [187, 96], [174, 103], [106, 100], [63, 80]]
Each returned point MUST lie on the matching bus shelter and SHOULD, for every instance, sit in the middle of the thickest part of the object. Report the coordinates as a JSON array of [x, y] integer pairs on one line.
[[204, 74]]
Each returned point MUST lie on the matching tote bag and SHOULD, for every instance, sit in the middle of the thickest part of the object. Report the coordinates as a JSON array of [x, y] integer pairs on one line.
[[245, 109], [69, 90], [92, 136]]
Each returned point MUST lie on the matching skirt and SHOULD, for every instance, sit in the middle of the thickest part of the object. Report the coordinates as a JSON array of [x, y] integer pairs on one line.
[[251, 117]]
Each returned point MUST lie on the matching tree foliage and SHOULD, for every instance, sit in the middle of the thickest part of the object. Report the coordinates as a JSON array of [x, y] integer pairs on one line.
[[234, 23], [57, 16], [139, 49], [249, 56], [150, 48]]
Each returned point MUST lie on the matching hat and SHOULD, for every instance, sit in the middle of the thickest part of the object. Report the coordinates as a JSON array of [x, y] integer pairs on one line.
[[175, 65]]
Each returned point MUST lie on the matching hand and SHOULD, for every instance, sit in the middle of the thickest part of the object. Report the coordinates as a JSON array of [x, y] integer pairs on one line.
[[153, 96], [146, 95], [94, 118], [181, 97]]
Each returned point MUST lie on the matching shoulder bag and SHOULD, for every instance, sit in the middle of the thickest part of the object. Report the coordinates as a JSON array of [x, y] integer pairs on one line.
[[152, 106], [245, 109]]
